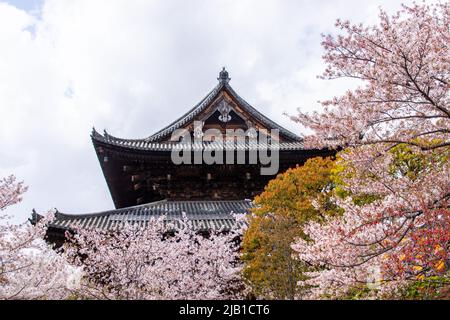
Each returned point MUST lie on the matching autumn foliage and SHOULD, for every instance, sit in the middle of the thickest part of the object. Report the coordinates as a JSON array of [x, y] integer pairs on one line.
[[295, 197]]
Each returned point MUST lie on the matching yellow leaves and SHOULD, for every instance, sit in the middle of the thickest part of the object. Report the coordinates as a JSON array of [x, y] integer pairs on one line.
[[417, 268], [420, 277], [440, 265], [402, 257]]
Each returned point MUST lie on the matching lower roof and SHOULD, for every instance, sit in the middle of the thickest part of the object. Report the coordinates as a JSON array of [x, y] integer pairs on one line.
[[204, 215]]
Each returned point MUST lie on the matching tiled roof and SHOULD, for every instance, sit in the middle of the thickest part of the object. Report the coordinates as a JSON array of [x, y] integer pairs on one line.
[[204, 215], [143, 144]]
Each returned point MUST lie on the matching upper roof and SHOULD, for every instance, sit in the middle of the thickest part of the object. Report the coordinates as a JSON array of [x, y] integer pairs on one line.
[[143, 144], [204, 215], [191, 115]]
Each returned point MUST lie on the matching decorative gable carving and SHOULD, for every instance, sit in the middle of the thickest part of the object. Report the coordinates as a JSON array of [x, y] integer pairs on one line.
[[224, 108]]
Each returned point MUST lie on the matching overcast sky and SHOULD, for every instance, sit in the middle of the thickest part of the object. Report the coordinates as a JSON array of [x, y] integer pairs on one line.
[[132, 67]]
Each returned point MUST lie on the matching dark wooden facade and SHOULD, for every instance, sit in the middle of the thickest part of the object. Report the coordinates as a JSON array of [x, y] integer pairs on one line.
[[138, 176]]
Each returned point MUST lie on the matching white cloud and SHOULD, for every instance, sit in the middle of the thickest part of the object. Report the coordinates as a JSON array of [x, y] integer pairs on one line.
[[134, 66]]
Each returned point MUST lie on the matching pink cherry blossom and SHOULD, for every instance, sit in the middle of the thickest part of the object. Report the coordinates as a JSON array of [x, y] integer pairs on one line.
[[29, 267], [404, 67], [158, 261]]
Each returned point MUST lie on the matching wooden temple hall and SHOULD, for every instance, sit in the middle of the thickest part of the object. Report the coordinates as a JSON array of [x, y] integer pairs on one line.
[[144, 182]]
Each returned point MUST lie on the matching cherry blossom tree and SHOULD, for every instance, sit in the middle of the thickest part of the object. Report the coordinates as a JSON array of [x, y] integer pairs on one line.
[[29, 268], [396, 128], [404, 63], [157, 261]]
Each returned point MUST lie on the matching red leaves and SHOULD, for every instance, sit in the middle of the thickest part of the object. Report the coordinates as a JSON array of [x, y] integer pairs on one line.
[[426, 249]]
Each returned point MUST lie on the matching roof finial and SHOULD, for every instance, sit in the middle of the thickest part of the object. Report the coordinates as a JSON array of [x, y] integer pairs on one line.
[[223, 76]]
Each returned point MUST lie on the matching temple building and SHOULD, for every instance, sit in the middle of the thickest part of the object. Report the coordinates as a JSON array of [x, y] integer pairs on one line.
[[145, 181]]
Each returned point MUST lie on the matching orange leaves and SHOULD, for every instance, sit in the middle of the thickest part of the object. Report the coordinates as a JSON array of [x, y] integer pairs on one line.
[[440, 265]]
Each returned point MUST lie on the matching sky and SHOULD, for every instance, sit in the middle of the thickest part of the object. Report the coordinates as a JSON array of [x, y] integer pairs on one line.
[[132, 67]]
